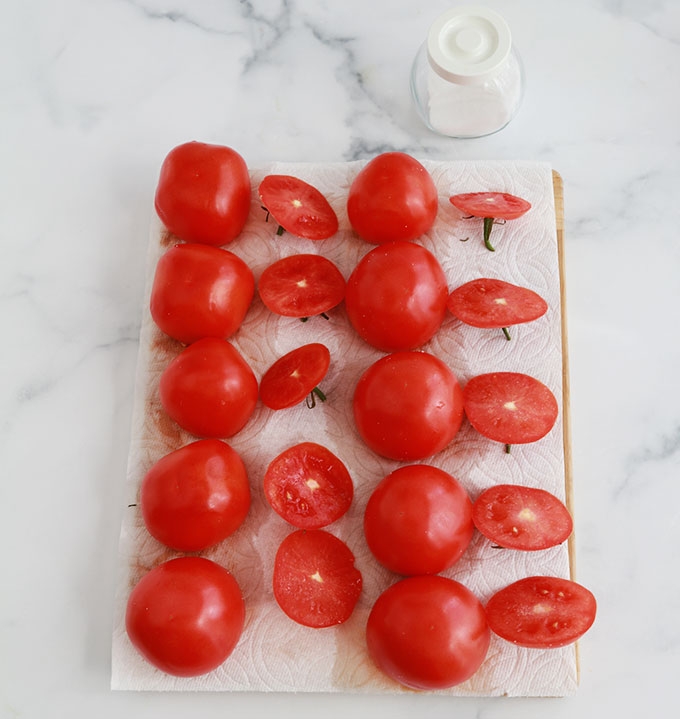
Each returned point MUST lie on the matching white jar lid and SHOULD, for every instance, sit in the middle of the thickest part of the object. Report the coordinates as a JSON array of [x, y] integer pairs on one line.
[[468, 44]]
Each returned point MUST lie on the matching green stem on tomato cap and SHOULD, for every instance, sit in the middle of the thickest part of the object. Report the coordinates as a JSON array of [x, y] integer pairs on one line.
[[507, 448], [488, 224], [311, 400], [506, 333]]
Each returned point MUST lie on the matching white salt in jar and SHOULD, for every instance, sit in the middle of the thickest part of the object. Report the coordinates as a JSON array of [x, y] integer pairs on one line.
[[467, 79]]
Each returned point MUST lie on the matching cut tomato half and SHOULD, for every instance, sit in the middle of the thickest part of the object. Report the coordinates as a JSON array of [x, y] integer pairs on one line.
[[518, 517], [298, 207], [542, 612], [510, 407], [490, 206], [302, 285], [295, 376], [308, 486], [490, 303], [315, 581]]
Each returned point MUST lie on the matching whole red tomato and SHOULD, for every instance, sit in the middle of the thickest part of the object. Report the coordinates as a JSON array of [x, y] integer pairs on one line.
[[200, 291], [196, 496], [396, 296], [209, 389], [392, 198], [418, 520], [186, 616], [408, 406], [428, 632], [203, 193]]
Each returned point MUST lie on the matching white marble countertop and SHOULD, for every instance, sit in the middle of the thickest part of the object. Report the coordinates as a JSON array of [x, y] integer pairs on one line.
[[94, 94]]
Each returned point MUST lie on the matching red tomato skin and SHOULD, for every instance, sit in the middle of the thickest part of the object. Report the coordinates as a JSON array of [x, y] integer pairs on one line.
[[300, 208], [492, 303], [301, 285], [294, 375], [209, 389], [309, 486], [200, 291], [542, 612], [522, 518], [203, 193], [396, 296], [393, 197], [315, 581], [185, 616], [499, 205], [418, 520], [408, 406], [487, 398], [428, 632], [195, 496]]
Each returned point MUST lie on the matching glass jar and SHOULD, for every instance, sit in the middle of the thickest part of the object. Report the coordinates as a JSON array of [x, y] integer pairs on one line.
[[467, 79]]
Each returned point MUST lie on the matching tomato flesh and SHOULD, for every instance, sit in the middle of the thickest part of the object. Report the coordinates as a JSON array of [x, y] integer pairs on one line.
[[499, 205], [196, 496], [301, 285], [294, 376], [186, 616], [510, 407], [209, 389], [418, 520], [492, 303], [315, 581], [298, 207], [542, 612], [428, 632], [308, 486], [524, 518], [408, 406], [200, 291], [396, 296]]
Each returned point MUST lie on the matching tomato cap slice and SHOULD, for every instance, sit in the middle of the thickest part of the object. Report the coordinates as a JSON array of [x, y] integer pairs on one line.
[[308, 486], [315, 581], [490, 303], [499, 205], [510, 407], [524, 518], [542, 612], [301, 285], [294, 376], [300, 208]]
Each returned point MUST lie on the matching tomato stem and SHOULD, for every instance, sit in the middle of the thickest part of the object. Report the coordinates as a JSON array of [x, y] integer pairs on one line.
[[506, 333], [311, 399], [280, 230], [507, 448], [488, 224]]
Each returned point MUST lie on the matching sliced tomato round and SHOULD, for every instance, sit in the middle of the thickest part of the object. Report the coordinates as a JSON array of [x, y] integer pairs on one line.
[[302, 285], [315, 581], [510, 407], [499, 205], [518, 517], [298, 207], [542, 612], [491, 303], [308, 486]]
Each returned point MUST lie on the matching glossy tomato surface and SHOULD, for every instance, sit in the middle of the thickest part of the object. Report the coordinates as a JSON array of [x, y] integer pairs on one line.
[[294, 376], [408, 406], [186, 616], [393, 197], [542, 612], [519, 517], [298, 207], [315, 580], [510, 407], [396, 296], [209, 389], [203, 193], [301, 285], [200, 291], [499, 205], [309, 486], [195, 496], [418, 520], [428, 632], [491, 303]]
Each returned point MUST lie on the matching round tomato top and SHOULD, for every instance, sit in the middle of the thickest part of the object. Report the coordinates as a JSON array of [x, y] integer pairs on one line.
[[499, 205]]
